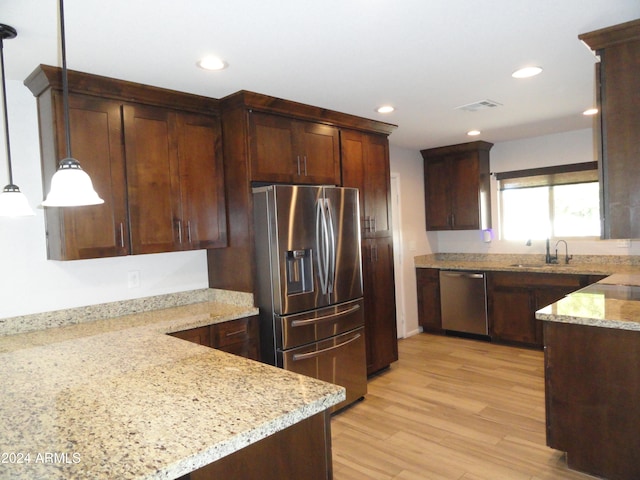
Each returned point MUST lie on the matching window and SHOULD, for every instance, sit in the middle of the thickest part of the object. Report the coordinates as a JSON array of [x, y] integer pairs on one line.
[[562, 201]]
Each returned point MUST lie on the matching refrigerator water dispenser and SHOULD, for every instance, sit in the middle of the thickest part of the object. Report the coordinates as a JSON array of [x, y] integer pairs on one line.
[[299, 271]]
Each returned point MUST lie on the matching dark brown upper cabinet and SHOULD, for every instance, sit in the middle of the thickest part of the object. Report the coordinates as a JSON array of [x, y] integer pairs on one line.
[[285, 150], [157, 165], [365, 165], [457, 187], [616, 126]]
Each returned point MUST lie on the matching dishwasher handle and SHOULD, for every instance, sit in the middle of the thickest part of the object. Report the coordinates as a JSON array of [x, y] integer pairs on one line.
[[463, 274]]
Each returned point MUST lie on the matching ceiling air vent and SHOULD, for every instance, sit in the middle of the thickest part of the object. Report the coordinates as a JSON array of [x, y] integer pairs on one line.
[[481, 105]]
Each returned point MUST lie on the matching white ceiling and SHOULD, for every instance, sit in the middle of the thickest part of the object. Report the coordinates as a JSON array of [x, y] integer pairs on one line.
[[425, 57]]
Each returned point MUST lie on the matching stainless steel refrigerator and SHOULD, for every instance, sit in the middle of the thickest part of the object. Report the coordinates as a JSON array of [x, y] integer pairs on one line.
[[309, 283]]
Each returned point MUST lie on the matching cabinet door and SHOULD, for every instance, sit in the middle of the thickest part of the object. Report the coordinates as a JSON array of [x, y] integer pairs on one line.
[[318, 152], [437, 201], [465, 203], [284, 150], [365, 165], [96, 230], [428, 284], [152, 179], [511, 316], [203, 222], [272, 149], [380, 306]]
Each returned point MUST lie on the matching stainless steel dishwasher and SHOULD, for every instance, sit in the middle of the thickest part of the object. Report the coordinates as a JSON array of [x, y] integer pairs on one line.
[[463, 301]]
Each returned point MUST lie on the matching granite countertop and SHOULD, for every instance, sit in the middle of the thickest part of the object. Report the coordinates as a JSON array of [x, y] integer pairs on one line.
[[119, 398], [613, 302], [580, 264]]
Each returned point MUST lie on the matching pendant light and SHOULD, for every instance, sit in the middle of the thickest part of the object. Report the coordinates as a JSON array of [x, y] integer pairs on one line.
[[13, 203], [70, 185]]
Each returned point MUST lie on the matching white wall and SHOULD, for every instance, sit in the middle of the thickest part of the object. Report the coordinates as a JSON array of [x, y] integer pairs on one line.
[[30, 283], [408, 166]]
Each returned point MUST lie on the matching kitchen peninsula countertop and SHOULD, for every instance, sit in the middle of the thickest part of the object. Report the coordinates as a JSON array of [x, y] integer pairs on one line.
[[613, 302], [119, 398]]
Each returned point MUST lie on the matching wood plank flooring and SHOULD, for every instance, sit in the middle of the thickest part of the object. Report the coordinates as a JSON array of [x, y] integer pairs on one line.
[[450, 408]]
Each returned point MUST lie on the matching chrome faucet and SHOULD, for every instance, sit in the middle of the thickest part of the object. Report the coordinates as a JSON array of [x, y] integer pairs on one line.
[[567, 257]]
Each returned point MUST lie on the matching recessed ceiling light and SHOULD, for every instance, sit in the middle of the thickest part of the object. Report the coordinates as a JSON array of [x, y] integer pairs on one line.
[[590, 111], [212, 63], [473, 133], [385, 109], [527, 72]]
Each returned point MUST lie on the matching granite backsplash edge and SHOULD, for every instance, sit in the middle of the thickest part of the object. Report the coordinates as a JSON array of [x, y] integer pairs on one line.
[[89, 313]]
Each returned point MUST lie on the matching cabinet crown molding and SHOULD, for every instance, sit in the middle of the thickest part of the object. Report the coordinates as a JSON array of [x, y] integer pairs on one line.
[[46, 76], [609, 36]]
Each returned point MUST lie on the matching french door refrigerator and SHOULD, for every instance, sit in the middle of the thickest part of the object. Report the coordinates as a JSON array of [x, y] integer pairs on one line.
[[309, 283]]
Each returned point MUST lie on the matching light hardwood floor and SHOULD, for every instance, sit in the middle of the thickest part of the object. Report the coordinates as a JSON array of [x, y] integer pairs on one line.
[[450, 408]]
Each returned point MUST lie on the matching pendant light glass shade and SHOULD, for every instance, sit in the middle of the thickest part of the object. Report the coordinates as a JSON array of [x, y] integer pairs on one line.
[[70, 185], [13, 203]]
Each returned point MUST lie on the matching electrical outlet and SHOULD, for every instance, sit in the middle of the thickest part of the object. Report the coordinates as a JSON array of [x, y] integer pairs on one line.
[[133, 279], [623, 243]]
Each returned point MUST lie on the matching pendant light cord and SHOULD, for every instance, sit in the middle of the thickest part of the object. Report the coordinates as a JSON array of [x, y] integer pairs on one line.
[[6, 116], [65, 83]]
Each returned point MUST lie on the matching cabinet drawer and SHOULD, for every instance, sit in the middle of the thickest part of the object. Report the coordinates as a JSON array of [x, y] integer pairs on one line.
[[234, 331], [525, 279]]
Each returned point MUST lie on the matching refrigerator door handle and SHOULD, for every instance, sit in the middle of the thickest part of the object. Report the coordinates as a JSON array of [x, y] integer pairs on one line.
[[321, 245], [305, 356], [311, 321], [331, 240]]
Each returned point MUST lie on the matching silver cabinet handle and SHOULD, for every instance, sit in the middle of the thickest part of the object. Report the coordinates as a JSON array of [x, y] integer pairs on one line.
[[305, 165], [324, 318], [189, 231], [121, 234], [305, 356], [179, 225], [298, 161]]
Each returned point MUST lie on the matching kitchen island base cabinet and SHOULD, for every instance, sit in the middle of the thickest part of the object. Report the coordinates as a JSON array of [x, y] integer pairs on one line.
[[302, 451], [592, 387]]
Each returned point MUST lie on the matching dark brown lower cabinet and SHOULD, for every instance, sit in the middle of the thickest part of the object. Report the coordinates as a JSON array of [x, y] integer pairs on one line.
[[302, 451], [514, 297], [428, 285], [592, 387], [240, 336], [379, 303]]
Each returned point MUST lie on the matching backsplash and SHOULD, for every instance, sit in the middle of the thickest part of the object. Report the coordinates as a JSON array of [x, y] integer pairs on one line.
[[60, 318]]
